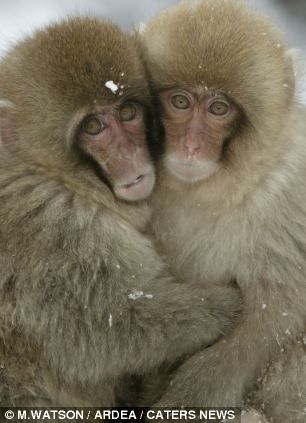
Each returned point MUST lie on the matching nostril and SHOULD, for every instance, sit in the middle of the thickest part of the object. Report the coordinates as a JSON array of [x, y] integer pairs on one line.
[[191, 149]]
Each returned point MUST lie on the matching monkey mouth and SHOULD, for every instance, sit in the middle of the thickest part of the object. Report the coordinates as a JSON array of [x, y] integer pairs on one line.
[[138, 180], [138, 189], [192, 170]]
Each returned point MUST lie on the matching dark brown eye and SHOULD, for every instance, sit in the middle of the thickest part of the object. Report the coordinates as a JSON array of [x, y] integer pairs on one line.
[[219, 108], [92, 126], [180, 101], [128, 112]]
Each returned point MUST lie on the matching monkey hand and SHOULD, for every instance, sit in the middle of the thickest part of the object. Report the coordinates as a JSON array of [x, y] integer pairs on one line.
[[205, 314], [223, 308]]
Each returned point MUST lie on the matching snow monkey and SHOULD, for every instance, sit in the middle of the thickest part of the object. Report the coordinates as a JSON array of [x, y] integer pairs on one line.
[[84, 295], [231, 200]]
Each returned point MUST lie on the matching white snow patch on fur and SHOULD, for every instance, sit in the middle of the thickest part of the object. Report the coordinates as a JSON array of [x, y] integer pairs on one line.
[[112, 86]]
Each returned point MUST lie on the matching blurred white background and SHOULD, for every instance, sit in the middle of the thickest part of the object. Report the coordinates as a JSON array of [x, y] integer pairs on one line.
[[19, 17]]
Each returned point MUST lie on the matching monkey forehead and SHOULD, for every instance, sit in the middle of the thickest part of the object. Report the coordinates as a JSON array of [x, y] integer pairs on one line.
[[222, 45], [73, 61]]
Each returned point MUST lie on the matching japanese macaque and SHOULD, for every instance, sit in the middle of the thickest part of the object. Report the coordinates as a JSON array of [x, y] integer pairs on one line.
[[84, 295], [231, 202]]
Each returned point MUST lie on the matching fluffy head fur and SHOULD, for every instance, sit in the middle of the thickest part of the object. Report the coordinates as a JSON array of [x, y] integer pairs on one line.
[[222, 45], [65, 68], [252, 67]]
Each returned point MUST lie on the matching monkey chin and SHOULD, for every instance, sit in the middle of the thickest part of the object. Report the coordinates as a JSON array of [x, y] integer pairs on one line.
[[191, 170], [138, 189]]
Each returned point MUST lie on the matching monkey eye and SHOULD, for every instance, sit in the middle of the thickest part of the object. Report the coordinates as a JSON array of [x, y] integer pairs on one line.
[[127, 112], [180, 101], [92, 126], [219, 108]]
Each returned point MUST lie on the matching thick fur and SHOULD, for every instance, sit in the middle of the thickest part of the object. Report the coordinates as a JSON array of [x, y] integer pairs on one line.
[[70, 252], [248, 221]]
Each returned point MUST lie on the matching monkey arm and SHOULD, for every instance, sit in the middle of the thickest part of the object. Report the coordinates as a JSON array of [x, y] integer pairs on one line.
[[221, 374], [183, 307], [87, 324]]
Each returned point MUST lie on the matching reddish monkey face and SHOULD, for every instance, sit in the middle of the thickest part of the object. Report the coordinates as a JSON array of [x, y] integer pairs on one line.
[[197, 126], [115, 138]]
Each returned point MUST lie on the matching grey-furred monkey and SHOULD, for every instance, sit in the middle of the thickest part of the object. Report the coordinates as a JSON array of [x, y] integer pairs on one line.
[[231, 197], [84, 296]]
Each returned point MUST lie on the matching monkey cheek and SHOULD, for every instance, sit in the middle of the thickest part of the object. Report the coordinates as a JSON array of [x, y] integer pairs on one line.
[[137, 189], [192, 170]]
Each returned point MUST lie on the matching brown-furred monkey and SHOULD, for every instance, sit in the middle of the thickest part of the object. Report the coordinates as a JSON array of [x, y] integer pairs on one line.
[[231, 197], [84, 296]]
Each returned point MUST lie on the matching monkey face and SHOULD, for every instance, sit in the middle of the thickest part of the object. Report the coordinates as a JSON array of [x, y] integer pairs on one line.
[[115, 139], [197, 125]]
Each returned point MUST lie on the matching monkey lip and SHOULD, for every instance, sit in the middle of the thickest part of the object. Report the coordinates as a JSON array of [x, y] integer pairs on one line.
[[137, 189], [137, 181]]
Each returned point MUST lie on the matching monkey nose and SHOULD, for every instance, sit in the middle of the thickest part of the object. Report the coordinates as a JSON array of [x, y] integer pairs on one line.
[[191, 148]]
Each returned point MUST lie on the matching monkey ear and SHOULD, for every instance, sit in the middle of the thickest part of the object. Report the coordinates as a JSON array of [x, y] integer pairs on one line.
[[6, 122], [299, 65]]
